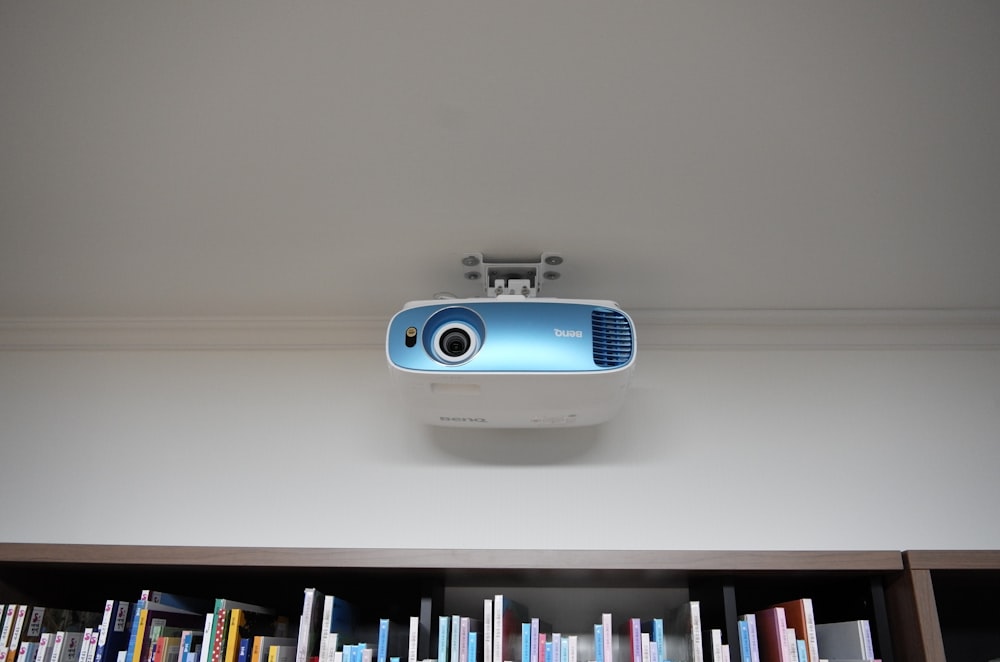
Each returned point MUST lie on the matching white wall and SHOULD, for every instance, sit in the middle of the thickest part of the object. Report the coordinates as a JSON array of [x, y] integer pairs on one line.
[[734, 449]]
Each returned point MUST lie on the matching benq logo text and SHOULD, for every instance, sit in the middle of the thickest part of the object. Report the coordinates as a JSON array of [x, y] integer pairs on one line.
[[568, 333]]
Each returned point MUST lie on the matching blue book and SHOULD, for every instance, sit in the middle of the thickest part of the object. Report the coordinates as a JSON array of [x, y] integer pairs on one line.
[[599, 642], [244, 654], [744, 632], [473, 644], [657, 636], [383, 639], [115, 630], [801, 644], [525, 642], [444, 639]]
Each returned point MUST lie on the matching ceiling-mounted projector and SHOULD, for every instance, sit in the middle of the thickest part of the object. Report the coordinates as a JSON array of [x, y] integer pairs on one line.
[[511, 359]]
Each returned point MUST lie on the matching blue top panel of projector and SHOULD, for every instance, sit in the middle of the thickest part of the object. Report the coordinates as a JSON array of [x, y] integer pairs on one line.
[[510, 336]]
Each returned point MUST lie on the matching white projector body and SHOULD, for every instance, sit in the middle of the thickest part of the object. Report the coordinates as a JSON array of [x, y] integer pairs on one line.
[[512, 361]]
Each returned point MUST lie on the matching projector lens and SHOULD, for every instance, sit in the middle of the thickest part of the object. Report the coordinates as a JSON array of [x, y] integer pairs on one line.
[[455, 342], [453, 335]]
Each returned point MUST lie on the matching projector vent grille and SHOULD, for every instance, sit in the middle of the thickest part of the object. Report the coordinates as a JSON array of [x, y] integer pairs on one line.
[[612, 338]]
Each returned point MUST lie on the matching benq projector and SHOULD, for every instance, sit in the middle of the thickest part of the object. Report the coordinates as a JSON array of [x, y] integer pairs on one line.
[[512, 361]]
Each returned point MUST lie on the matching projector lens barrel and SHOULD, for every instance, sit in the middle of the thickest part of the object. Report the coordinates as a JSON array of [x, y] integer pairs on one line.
[[455, 342]]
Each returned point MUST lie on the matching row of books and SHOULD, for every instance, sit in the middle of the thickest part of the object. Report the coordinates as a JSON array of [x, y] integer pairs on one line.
[[788, 632], [166, 627]]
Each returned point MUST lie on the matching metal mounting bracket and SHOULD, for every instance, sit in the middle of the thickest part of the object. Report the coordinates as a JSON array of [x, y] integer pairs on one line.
[[512, 277]]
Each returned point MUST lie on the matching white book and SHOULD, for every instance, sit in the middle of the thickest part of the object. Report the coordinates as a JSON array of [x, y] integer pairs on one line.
[[66, 646], [608, 637], [455, 635], [793, 646], [411, 649], [44, 647], [312, 606], [27, 651], [487, 630], [716, 635], [10, 614], [206, 641]]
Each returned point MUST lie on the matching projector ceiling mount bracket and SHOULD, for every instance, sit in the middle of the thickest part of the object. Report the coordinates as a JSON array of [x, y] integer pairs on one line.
[[512, 277]]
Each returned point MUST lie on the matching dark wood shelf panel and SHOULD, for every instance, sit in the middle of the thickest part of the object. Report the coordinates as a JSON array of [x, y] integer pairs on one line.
[[454, 559], [976, 559]]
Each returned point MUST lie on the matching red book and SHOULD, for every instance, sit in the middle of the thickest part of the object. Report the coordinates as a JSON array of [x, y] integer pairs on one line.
[[772, 635]]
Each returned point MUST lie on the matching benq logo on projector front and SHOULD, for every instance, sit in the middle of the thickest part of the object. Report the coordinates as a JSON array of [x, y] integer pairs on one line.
[[507, 362]]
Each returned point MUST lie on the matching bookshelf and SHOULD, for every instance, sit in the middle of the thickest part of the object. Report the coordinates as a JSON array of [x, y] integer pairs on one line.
[[948, 599], [568, 588]]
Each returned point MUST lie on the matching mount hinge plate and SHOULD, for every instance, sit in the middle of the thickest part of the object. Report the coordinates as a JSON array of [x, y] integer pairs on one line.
[[512, 277]]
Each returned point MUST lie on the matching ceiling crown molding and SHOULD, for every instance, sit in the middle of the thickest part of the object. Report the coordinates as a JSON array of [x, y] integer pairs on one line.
[[656, 330]]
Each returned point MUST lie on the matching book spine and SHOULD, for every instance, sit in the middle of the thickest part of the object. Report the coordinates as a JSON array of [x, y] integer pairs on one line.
[[498, 633], [15, 633], [716, 635], [599, 643], [635, 639], [383, 639], [744, 634], [866, 638], [487, 630], [608, 636], [473, 647], [455, 645], [44, 646], [751, 620], [411, 649], [444, 639], [571, 652], [10, 614], [464, 624], [525, 642], [302, 646], [698, 651], [206, 637]]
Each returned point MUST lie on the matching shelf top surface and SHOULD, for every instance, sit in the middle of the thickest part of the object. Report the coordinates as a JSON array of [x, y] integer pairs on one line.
[[454, 559], [948, 559]]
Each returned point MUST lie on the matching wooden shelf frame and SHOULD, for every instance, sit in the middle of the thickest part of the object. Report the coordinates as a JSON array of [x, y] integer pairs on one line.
[[455, 559]]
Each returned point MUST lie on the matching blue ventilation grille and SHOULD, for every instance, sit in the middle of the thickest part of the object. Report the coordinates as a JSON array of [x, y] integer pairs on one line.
[[612, 338]]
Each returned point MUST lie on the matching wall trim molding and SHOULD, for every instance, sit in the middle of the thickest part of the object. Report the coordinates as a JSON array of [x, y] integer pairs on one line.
[[656, 329]]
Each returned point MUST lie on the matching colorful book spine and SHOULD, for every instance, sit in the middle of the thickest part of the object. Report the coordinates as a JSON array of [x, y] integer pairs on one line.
[[525, 641], [15, 634], [444, 638], [114, 634], [10, 615], [383, 640]]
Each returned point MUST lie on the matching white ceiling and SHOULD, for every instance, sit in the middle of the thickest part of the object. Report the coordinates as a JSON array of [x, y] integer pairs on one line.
[[178, 159]]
